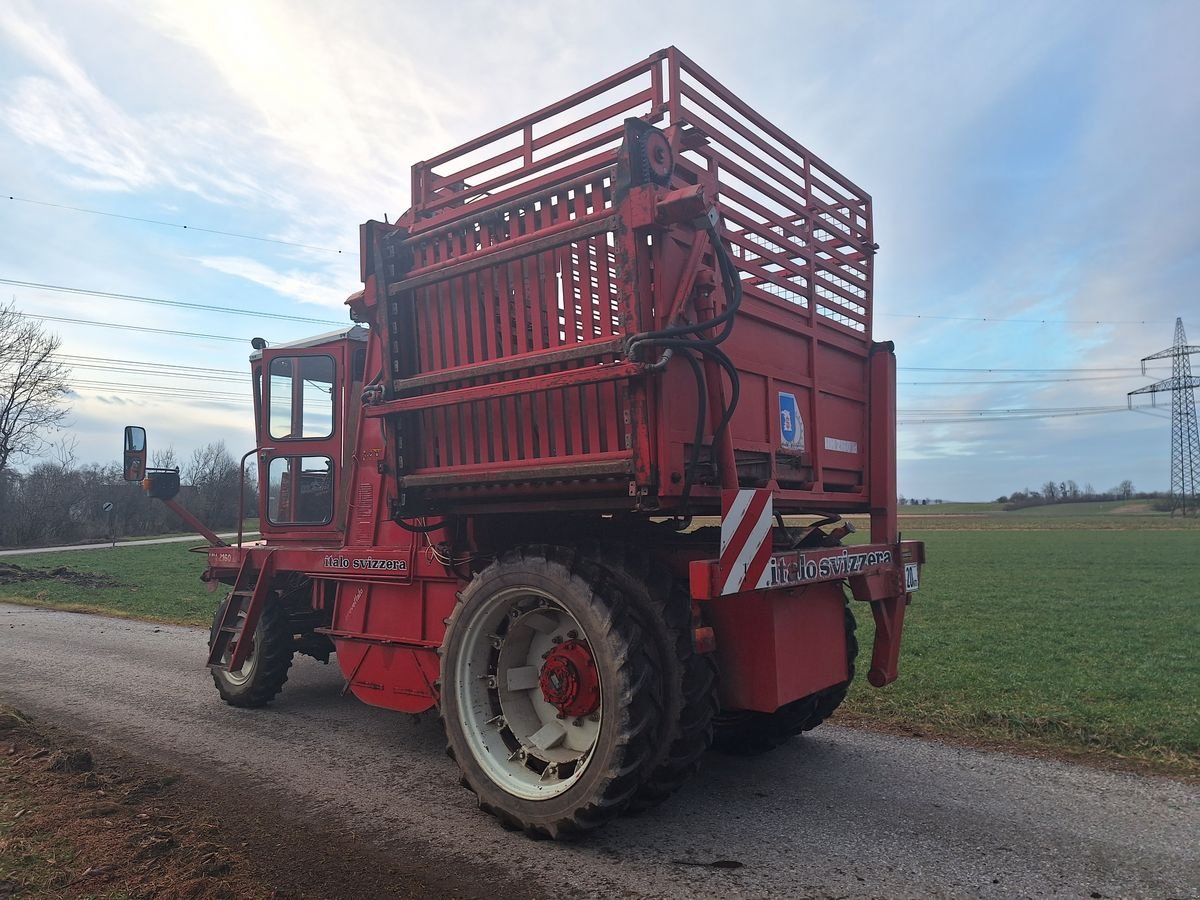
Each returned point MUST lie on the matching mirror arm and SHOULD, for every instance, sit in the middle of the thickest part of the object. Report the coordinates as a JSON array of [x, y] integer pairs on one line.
[[197, 526]]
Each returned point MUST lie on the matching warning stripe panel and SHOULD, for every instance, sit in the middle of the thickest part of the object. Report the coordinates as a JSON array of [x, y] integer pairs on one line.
[[745, 539]]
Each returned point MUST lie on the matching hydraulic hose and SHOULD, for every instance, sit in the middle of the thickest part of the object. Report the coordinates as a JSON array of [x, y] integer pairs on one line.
[[685, 340], [733, 292], [689, 475]]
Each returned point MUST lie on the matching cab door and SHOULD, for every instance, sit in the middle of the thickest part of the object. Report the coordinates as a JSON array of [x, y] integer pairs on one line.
[[300, 447]]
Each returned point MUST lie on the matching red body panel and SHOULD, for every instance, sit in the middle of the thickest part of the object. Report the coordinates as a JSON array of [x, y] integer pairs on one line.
[[774, 647]]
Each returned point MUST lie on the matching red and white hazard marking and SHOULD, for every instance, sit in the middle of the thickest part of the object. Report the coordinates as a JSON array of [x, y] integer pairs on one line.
[[746, 520]]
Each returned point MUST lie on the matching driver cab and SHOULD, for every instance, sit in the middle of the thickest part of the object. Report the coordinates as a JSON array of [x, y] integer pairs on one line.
[[302, 392]]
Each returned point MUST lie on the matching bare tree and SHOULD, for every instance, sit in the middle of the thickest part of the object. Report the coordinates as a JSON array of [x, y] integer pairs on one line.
[[33, 385], [212, 475], [164, 458], [65, 452]]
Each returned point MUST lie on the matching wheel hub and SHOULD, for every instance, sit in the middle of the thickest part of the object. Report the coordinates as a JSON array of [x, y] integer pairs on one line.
[[568, 680]]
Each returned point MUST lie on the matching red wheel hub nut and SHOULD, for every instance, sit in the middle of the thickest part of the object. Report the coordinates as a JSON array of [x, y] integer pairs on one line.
[[569, 681]]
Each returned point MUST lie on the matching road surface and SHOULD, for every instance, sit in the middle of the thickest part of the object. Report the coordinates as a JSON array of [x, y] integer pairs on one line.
[[841, 813]]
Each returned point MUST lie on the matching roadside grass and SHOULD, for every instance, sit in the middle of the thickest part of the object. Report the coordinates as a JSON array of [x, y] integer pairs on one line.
[[156, 582], [1083, 640], [1076, 635], [943, 509], [249, 528], [1022, 521]]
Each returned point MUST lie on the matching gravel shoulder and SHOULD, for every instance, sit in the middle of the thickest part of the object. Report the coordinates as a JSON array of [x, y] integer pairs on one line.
[[844, 812]]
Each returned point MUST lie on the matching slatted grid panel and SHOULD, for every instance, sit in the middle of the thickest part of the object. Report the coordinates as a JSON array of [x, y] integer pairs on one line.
[[801, 232], [471, 294], [580, 132], [559, 297]]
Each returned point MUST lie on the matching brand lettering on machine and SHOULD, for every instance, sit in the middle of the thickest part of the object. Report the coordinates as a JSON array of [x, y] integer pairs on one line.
[[366, 562], [798, 568]]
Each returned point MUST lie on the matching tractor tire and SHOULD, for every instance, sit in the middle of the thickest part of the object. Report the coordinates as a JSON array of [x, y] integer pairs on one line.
[[663, 606], [748, 733], [551, 695], [265, 671]]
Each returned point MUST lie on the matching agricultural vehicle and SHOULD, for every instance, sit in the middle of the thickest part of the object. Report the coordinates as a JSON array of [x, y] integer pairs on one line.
[[576, 476]]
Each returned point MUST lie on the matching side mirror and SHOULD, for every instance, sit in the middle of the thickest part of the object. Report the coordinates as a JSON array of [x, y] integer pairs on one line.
[[134, 462]]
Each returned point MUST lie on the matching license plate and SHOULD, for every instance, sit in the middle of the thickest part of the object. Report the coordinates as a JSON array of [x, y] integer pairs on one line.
[[912, 577]]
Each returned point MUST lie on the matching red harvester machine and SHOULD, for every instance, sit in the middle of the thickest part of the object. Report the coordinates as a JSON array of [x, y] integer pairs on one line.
[[638, 306]]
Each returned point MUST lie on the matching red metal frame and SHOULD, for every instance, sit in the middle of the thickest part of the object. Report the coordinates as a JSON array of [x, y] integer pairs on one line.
[[522, 264], [500, 392]]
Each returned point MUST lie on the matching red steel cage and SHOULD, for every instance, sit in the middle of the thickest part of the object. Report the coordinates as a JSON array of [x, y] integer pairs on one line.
[[532, 258]]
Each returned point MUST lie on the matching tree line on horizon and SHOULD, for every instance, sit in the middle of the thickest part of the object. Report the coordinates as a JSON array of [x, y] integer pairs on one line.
[[1070, 491], [1064, 492], [58, 501]]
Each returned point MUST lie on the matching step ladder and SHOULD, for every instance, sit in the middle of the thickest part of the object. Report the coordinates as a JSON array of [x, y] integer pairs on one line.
[[242, 613]]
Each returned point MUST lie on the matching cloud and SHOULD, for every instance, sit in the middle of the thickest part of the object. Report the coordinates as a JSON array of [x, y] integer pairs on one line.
[[322, 288], [301, 74]]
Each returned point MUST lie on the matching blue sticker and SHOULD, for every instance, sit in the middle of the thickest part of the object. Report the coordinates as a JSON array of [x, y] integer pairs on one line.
[[791, 425]]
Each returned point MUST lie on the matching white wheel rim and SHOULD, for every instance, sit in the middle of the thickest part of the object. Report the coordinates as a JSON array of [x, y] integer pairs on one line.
[[522, 742]]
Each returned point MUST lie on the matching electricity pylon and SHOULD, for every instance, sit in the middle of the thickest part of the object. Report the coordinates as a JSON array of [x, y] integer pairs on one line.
[[1185, 438]]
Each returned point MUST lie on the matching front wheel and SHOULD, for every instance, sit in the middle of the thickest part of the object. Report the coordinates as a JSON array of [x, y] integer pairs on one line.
[[265, 670], [551, 698]]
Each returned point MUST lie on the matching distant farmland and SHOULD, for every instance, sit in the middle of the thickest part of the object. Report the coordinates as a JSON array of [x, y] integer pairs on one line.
[[1071, 626]]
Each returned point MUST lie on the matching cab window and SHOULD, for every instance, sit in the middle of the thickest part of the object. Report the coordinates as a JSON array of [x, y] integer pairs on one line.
[[301, 397], [300, 490]]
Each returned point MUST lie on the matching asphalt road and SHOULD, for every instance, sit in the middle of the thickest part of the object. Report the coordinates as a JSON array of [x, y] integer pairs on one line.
[[841, 813]]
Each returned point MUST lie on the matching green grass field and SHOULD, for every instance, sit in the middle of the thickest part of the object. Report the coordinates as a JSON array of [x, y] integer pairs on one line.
[[1080, 639], [1072, 632], [159, 582]]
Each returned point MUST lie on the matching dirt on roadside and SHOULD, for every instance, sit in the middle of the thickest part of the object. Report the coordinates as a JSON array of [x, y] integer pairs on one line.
[[14, 574], [75, 826], [80, 822]]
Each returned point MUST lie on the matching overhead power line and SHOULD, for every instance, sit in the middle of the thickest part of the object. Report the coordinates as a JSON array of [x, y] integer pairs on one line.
[[179, 225], [994, 381], [158, 301], [919, 418], [1130, 369], [165, 389], [121, 327], [1016, 411], [1003, 320], [159, 373], [71, 359]]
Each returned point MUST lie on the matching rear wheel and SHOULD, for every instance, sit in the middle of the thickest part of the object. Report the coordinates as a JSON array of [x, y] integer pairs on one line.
[[664, 608], [551, 698], [265, 670], [747, 733]]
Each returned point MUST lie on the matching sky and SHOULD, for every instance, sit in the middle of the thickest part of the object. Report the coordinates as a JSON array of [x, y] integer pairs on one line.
[[1032, 167]]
